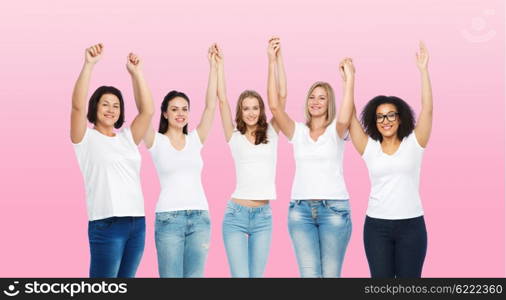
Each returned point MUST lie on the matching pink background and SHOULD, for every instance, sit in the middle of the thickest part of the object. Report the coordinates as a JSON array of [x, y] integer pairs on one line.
[[43, 212]]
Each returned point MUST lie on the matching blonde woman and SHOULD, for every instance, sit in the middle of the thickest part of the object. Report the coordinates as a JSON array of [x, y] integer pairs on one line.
[[319, 219]]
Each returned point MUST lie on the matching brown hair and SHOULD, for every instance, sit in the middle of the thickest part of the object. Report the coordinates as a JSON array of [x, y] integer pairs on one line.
[[331, 102], [261, 130]]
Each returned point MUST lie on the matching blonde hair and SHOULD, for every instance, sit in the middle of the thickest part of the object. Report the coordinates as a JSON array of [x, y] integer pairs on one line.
[[331, 102]]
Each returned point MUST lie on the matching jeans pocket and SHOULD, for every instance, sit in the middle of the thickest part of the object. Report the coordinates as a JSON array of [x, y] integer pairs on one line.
[[205, 218], [339, 207], [103, 224], [267, 213], [166, 217], [230, 210]]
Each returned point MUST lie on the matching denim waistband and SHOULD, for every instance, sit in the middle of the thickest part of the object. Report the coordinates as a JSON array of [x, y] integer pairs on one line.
[[120, 219], [326, 203], [239, 207], [395, 221], [186, 212]]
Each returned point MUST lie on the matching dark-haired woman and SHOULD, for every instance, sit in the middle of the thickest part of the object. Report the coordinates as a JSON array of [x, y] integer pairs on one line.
[[392, 147], [247, 225], [319, 218], [110, 163], [182, 226]]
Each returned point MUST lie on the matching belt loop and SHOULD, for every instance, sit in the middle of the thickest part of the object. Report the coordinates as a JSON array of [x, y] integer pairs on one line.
[[298, 202]]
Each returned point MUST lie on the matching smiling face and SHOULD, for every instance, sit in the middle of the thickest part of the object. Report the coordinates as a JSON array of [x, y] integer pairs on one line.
[[318, 102], [108, 110], [387, 120], [177, 113], [250, 110]]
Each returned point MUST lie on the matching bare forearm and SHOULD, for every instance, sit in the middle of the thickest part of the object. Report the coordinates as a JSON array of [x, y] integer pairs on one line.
[[212, 88], [272, 88], [226, 118], [143, 98], [347, 105], [81, 87], [282, 85], [222, 91], [426, 91]]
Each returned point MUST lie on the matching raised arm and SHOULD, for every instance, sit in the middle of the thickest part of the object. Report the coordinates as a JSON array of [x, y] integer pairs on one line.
[[424, 125], [358, 136], [78, 120], [347, 113], [143, 99], [281, 77], [207, 118], [226, 113], [149, 136], [276, 90], [344, 117]]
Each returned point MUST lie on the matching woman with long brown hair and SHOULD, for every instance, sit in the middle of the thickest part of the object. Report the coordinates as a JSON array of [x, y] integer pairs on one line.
[[247, 225]]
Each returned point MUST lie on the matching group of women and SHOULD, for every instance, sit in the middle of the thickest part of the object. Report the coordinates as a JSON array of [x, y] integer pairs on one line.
[[386, 136]]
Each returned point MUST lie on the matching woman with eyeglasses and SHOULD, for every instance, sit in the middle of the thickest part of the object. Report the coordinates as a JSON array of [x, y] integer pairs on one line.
[[392, 146]]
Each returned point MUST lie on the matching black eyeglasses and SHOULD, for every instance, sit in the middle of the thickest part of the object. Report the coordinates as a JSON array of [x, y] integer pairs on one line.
[[391, 116]]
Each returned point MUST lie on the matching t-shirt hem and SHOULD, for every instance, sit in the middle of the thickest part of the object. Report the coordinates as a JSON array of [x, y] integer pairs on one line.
[[182, 208], [397, 217], [245, 197], [320, 197], [115, 215]]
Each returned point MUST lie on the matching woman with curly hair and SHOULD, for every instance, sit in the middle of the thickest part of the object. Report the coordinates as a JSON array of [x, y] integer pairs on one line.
[[392, 146]]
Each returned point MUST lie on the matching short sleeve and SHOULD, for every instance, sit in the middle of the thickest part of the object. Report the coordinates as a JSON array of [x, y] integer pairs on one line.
[[155, 142], [194, 136], [369, 148], [81, 148], [271, 132], [297, 132], [414, 141], [127, 133], [233, 137], [84, 140]]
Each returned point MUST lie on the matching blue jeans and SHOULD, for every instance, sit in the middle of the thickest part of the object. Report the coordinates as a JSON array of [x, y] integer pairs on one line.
[[395, 248], [247, 237], [320, 232], [182, 242], [116, 246]]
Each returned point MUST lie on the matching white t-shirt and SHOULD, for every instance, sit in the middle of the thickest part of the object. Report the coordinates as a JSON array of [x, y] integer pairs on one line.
[[394, 180], [179, 172], [318, 165], [255, 166], [111, 171]]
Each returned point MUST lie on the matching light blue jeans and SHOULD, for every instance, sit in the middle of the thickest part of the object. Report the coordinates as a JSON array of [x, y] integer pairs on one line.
[[182, 242], [247, 235], [320, 232]]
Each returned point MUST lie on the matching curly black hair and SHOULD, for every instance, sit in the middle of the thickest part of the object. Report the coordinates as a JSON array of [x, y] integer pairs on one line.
[[406, 117]]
